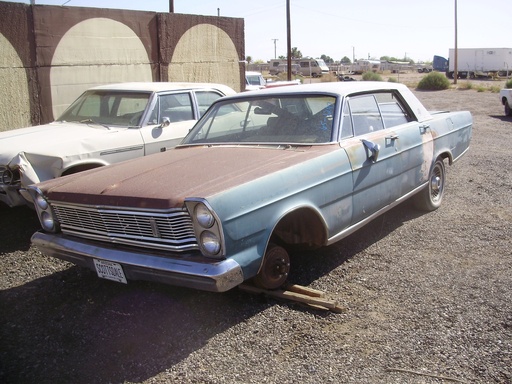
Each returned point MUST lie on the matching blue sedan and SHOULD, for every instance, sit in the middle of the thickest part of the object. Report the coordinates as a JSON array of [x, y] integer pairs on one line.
[[259, 175]]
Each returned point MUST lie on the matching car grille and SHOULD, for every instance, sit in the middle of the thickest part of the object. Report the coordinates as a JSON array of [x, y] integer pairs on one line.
[[166, 230]]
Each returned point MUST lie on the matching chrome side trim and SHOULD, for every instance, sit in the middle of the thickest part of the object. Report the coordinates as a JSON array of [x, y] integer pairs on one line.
[[120, 150]]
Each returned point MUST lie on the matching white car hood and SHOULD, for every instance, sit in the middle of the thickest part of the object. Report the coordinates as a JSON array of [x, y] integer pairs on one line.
[[57, 138]]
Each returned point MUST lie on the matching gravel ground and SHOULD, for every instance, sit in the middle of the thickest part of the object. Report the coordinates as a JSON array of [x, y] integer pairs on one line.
[[427, 298]]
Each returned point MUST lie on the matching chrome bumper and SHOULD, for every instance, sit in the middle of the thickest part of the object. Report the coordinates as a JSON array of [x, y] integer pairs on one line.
[[189, 271]]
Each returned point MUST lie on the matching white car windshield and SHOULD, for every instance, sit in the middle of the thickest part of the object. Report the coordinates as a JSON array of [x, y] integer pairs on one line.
[[272, 119], [108, 107]]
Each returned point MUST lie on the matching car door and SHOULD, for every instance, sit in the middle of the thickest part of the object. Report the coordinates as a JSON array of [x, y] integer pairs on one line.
[[180, 110], [375, 153]]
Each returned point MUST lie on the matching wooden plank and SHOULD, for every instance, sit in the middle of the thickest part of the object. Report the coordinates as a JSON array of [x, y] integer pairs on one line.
[[301, 294]]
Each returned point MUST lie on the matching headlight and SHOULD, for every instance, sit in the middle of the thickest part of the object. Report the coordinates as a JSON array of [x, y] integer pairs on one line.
[[210, 243], [41, 202], [47, 221], [44, 210], [203, 216], [207, 228]]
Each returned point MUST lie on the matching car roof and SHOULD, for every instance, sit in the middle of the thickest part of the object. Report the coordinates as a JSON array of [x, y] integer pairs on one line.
[[164, 86], [340, 88]]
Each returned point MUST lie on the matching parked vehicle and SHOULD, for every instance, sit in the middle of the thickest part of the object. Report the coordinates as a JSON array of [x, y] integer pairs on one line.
[[439, 64], [254, 81], [283, 68], [306, 67], [506, 100], [104, 125], [480, 62], [261, 174], [362, 66]]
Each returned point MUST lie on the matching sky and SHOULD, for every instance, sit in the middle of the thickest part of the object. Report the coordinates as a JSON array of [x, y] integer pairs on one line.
[[412, 29]]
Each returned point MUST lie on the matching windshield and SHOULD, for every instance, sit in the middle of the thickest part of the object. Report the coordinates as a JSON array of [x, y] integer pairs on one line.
[[108, 107], [254, 80], [274, 119]]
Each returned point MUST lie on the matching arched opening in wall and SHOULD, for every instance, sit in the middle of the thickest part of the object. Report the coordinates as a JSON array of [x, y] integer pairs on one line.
[[94, 52], [205, 53]]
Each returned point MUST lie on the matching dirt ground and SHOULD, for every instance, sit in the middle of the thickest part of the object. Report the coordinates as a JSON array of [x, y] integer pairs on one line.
[[427, 297]]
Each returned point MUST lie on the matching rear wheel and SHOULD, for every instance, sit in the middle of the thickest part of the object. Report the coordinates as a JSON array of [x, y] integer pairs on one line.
[[275, 268], [430, 198]]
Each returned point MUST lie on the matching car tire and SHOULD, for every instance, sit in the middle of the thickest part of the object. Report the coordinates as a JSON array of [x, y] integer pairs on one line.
[[430, 197], [275, 268]]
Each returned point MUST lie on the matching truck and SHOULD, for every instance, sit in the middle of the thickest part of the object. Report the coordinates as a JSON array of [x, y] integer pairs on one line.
[[439, 63], [480, 62], [306, 67], [506, 100]]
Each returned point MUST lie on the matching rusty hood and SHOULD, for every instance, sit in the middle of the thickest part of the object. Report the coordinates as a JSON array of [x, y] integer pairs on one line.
[[164, 180]]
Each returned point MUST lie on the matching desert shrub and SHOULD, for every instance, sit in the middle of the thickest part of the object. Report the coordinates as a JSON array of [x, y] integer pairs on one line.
[[392, 80], [508, 84], [328, 78], [495, 89], [465, 85], [371, 76], [434, 81]]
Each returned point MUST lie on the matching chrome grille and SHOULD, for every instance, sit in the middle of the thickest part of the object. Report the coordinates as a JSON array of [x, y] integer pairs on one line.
[[168, 230]]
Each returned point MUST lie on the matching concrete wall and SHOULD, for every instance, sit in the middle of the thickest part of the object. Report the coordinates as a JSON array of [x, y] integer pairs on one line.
[[49, 55]]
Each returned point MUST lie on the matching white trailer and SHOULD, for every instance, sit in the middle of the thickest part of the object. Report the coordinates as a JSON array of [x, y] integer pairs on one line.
[[362, 66], [480, 62], [306, 67]]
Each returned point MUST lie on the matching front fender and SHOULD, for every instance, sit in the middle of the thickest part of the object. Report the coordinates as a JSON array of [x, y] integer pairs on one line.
[[35, 168]]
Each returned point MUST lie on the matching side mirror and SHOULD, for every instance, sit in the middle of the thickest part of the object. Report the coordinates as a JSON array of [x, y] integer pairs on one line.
[[165, 122], [373, 148]]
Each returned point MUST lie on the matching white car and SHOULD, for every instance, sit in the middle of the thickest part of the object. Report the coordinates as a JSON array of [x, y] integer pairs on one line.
[[105, 125], [254, 81]]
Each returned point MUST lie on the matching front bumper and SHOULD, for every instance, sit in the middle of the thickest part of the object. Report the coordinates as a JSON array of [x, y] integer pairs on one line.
[[189, 270]]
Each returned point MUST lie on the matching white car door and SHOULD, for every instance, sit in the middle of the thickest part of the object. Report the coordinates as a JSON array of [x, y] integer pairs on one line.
[[181, 110]]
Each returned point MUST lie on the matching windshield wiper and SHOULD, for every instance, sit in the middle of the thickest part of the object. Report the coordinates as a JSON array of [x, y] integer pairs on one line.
[[91, 121]]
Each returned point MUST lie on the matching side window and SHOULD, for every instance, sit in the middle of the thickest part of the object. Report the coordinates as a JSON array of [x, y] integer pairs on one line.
[[346, 123], [366, 116], [177, 107], [205, 99], [392, 110]]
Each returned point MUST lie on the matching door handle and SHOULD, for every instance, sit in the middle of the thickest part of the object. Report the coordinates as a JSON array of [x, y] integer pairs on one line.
[[424, 127], [392, 137]]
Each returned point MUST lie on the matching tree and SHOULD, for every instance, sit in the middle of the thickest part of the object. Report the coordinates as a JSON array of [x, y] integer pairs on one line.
[[327, 59], [248, 59], [345, 60], [296, 54]]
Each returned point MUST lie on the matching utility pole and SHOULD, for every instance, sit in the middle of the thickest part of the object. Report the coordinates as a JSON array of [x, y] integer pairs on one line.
[[171, 6], [455, 58], [275, 48], [288, 40]]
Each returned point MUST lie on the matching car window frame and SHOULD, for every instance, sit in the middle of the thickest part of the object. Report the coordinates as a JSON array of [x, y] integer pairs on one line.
[[398, 100]]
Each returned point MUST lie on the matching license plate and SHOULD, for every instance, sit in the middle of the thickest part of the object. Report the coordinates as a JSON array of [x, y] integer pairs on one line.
[[110, 271]]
